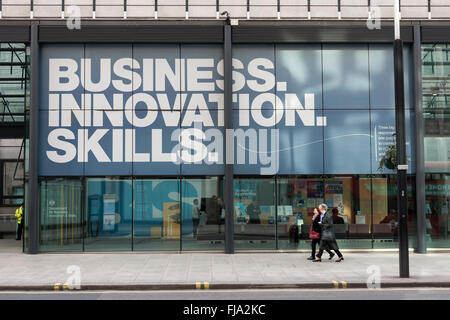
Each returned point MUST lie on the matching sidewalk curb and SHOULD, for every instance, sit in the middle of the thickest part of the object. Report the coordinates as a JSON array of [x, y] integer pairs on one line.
[[161, 287]]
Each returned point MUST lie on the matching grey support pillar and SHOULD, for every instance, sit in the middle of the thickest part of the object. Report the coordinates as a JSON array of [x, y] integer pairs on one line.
[[32, 211], [228, 110], [419, 134]]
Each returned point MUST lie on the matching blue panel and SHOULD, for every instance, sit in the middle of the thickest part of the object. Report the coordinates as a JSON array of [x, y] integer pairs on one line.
[[207, 80], [300, 68], [347, 142], [383, 130], [381, 76], [149, 199], [73, 52], [250, 157], [53, 120], [253, 62], [151, 140], [111, 144], [301, 148], [108, 165], [382, 90], [164, 56], [212, 164], [109, 214], [49, 153], [345, 76], [204, 102]]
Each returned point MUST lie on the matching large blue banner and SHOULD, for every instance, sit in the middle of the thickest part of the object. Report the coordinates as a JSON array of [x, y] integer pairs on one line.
[[148, 109]]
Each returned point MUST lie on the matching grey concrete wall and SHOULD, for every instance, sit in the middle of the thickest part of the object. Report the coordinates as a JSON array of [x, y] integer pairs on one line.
[[206, 9]]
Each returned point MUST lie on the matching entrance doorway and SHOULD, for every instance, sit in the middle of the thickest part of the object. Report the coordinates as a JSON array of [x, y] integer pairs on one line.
[[14, 107]]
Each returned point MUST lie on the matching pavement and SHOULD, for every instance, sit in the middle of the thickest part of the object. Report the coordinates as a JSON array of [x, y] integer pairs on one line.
[[176, 271]]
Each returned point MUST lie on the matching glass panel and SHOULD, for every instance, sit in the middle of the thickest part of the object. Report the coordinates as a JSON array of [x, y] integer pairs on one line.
[[58, 122], [437, 192], [168, 97], [385, 214], [436, 105], [203, 214], [255, 213], [60, 215], [108, 214], [348, 198], [13, 75], [12, 183], [297, 197], [381, 57], [347, 142], [115, 155], [156, 214], [345, 76]]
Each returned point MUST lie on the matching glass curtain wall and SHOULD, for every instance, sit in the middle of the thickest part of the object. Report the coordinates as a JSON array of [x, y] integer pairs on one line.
[[330, 154], [270, 213], [436, 112], [364, 210]]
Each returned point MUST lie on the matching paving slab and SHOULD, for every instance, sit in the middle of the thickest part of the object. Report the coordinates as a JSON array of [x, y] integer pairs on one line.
[[242, 270]]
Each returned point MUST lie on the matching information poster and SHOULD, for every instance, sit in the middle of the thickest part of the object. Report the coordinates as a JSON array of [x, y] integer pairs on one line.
[[171, 220], [315, 189], [109, 214], [334, 187]]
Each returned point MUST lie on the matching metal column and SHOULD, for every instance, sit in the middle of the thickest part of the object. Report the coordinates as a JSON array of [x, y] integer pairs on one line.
[[419, 134], [228, 110], [402, 193], [32, 211]]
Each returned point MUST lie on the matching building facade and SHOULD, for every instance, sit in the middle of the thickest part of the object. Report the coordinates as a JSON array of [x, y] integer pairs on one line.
[[161, 127]]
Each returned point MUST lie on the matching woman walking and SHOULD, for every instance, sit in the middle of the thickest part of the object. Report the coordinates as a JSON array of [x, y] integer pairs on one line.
[[328, 239], [314, 235]]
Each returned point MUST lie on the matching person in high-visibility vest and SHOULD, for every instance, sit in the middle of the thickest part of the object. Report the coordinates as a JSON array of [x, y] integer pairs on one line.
[[19, 217]]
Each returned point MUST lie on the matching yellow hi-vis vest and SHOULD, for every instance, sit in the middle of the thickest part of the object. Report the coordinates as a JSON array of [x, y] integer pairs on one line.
[[19, 214]]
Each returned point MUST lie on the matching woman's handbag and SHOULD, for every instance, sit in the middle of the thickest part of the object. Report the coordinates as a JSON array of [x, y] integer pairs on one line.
[[313, 234]]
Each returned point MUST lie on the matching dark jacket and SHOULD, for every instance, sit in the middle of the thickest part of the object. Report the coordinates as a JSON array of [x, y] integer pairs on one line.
[[327, 227], [316, 225]]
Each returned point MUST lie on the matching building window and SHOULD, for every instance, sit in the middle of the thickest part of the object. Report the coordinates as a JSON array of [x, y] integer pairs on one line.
[[436, 108], [203, 210], [255, 213], [13, 191], [61, 214], [108, 215], [156, 214]]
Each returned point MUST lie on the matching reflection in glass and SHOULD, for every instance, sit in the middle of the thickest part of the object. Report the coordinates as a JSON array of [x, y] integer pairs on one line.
[[156, 214], [60, 215], [436, 113], [297, 197], [437, 192], [203, 214], [108, 214], [349, 199], [255, 214]]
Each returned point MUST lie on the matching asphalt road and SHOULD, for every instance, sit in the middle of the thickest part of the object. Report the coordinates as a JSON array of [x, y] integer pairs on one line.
[[286, 294]]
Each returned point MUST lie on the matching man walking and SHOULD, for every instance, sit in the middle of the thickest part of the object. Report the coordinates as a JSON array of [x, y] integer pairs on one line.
[[328, 239]]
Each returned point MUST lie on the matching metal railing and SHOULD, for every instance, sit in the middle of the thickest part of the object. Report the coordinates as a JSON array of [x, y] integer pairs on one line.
[[210, 9]]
